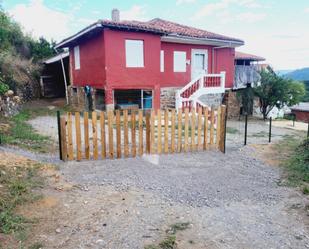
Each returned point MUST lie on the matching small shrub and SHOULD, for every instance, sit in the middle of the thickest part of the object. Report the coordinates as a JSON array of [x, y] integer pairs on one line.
[[3, 88]]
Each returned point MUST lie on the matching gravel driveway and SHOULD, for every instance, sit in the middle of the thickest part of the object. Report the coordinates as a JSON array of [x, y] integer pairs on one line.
[[232, 200]]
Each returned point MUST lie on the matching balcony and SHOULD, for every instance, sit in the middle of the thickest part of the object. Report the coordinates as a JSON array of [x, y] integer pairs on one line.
[[246, 75]]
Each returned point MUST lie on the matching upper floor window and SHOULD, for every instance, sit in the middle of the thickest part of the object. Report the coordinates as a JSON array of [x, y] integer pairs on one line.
[[180, 61], [162, 61], [76, 58], [134, 53]]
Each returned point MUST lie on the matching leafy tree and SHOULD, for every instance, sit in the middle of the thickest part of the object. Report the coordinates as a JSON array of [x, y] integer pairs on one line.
[[276, 91], [41, 49], [20, 56]]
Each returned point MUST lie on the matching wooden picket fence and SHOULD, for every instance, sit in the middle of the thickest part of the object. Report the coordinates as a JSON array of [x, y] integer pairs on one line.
[[117, 134]]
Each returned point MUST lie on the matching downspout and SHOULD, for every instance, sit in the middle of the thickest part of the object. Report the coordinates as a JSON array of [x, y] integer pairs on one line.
[[64, 77], [213, 55]]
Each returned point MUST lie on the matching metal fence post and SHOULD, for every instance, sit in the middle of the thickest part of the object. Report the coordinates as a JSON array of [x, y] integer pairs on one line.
[[246, 127], [59, 135], [269, 135]]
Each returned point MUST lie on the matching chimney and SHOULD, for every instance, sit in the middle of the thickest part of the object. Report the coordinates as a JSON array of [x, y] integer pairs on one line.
[[115, 15]]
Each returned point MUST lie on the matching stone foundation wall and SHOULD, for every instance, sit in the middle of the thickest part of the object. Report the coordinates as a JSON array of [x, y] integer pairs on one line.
[[168, 97], [233, 105], [10, 104], [213, 99]]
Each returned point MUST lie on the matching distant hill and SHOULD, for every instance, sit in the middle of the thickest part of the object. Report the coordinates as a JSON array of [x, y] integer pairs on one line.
[[283, 72], [299, 74]]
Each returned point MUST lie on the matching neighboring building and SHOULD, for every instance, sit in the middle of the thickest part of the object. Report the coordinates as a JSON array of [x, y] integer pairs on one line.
[[150, 64], [247, 74], [301, 111]]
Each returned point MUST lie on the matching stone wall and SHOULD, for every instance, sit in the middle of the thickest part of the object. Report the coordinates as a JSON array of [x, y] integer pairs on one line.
[[212, 99], [78, 100], [9, 104], [233, 105], [168, 97]]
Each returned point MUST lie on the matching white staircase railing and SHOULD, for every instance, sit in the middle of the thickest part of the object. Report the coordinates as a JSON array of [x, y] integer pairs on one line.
[[188, 96]]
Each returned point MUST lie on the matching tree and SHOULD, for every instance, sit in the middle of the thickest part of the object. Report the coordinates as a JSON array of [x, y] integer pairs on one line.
[[20, 57], [275, 91]]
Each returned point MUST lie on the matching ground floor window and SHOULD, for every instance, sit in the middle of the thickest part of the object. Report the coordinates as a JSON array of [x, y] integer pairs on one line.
[[133, 99]]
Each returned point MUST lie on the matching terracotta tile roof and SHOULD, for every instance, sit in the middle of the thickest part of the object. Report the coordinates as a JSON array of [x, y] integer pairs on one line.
[[245, 56], [158, 26], [167, 27], [179, 29]]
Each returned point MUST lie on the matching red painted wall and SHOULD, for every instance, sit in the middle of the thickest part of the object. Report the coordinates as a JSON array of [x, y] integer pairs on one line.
[[224, 61], [301, 115], [171, 79], [103, 64], [117, 74], [92, 63]]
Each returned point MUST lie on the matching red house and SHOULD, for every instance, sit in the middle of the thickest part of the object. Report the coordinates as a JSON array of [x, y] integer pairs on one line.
[[156, 64]]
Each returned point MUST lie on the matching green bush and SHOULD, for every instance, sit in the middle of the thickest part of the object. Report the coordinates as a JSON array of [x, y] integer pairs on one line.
[[3, 88]]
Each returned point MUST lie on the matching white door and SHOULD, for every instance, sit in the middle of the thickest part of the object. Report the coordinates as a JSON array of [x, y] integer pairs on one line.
[[199, 62]]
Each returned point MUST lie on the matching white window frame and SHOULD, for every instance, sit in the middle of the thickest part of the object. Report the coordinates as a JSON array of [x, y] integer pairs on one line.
[[162, 61], [180, 61], [134, 52], [76, 58]]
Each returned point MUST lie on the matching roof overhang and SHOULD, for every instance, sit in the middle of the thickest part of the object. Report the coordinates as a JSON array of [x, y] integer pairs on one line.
[[71, 39], [201, 41], [56, 58]]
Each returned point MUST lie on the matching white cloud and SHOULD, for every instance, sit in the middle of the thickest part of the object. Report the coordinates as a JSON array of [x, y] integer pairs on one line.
[[251, 17], [40, 20], [136, 12], [306, 10], [179, 2], [224, 6]]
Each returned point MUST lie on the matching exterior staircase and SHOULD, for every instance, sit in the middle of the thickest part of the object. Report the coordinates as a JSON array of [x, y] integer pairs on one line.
[[189, 95]]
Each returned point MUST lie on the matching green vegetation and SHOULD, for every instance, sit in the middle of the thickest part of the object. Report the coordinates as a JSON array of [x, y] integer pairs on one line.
[[169, 242], [20, 57], [17, 185], [295, 161], [276, 91], [306, 97], [231, 130], [23, 135]]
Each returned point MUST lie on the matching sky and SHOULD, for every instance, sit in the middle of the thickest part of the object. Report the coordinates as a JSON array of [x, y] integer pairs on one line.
[[275, 29]]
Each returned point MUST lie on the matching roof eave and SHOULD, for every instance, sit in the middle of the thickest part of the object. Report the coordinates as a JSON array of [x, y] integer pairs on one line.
[[67, 41], [202, 41]]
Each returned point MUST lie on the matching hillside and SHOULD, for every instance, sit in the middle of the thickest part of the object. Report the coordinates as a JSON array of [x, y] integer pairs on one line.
[[299, 74]]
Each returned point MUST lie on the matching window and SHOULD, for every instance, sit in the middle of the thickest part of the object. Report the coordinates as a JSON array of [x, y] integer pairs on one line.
[[134, 53], [179, 61], [161, 61], [76, 58]]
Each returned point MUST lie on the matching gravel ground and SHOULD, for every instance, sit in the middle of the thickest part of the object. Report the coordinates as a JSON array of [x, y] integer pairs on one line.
[[232, 200]]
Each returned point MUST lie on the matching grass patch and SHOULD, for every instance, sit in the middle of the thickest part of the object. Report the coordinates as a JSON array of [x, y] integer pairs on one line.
[[17, 188], [19, 182], [260, 134], [295, 161], [231, 130], [169, 242], [22, 134]]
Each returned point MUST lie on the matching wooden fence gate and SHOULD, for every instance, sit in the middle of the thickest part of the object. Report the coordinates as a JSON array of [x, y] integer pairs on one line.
[[117, 134]]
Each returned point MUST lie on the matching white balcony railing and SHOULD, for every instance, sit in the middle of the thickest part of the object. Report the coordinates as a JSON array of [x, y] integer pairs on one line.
[[187, 97]]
